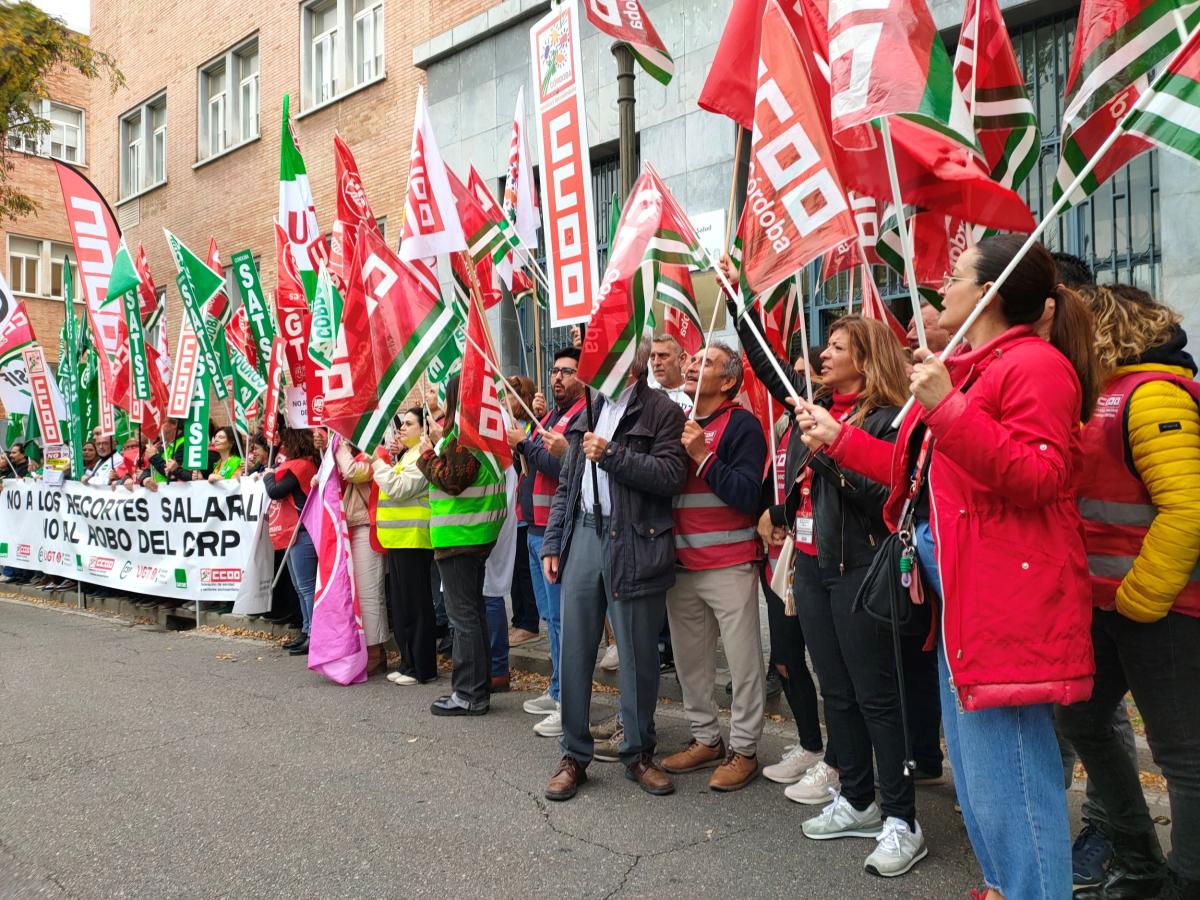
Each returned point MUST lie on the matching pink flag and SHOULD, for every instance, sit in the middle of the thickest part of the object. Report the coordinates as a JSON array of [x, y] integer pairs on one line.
[[337, 645]]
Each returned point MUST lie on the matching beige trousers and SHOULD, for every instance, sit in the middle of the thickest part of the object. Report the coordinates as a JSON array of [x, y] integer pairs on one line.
[[368, 580], [701, 605]]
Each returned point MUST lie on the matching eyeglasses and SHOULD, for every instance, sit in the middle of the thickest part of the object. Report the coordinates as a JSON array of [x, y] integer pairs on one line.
[[949, 279], [564, 371]]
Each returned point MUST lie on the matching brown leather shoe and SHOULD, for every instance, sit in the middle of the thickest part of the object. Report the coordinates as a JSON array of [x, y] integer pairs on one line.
[[735, 773], [650, 778], [566, 779], [520, 636], [500, 684], [694, 757]]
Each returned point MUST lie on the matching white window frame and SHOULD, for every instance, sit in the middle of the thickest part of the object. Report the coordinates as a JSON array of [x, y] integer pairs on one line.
[[145, 145], [44, 259], [368, 68], [24, 257], [41, 145], [339, 72], [239, 108]]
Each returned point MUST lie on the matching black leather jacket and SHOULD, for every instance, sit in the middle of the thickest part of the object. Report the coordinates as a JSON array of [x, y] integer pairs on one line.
[[647, 467], [847, 507]]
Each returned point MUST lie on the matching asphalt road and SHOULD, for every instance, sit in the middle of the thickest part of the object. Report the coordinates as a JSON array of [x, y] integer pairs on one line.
[[148, 764]]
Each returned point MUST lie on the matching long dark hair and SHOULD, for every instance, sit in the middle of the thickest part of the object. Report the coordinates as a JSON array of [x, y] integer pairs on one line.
[[451, 401], [1023, 298], [297, 443]]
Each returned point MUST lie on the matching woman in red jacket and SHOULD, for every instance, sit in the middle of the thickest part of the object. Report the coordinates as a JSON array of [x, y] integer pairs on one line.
[[998, 536]]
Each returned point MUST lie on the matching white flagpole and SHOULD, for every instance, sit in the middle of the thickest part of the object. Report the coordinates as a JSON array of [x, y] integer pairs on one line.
[[905, 243]]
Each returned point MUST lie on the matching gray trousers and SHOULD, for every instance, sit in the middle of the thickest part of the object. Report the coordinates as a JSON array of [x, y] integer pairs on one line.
[[586, 598], [1093, 806], [702, 605], [462, 585]]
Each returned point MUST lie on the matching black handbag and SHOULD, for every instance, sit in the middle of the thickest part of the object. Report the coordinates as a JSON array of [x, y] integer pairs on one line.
[[885, 597], [887, 592]]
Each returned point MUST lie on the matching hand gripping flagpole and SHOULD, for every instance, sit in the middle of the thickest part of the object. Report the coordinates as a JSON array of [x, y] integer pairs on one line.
[[762, 341], [1058, 207]]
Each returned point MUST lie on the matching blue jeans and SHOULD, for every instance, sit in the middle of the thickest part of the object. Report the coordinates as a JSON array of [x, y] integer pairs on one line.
[[302, 566], [1008, 777], [549, 604], [497, 623]]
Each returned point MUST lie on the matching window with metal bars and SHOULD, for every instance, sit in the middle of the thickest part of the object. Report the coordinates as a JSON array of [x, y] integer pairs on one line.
[[605, 184], [1116, 230]]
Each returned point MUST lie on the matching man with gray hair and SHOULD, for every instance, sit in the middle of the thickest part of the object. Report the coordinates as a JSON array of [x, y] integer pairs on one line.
[[609, 543], [668, 359], [716, 585]]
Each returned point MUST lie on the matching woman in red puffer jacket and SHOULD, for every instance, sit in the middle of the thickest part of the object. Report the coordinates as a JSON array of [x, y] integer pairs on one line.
[[999, 539]]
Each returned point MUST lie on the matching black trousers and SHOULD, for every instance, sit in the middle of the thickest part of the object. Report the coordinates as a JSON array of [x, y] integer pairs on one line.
[[1160, 663], [787, 650], [284, 601], [410, 604], [524, 603], [853, 657], [462, 587], [923, 699]]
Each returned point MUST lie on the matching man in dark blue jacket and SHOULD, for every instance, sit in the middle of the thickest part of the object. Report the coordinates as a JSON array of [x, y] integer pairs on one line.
[[610, 542], [716, 588]]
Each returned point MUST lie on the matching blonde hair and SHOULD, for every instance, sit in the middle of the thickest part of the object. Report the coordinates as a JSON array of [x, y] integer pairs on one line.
[[878, 355], [1128, 322]]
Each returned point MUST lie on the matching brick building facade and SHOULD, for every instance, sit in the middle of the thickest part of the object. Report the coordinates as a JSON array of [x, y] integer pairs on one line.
[[34, 246]]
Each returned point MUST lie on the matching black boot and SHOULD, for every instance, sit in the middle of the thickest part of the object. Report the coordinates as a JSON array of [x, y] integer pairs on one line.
[[1137, 870]]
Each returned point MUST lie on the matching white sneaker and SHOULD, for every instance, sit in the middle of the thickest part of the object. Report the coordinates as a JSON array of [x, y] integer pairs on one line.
[[401, 678], [839, 819], [540, 706], [792, 766], [897, 850], [609, 662], [814, 786], [551, 726]]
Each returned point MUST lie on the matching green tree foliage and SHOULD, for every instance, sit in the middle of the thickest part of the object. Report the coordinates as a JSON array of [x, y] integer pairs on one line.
[[33, 45]]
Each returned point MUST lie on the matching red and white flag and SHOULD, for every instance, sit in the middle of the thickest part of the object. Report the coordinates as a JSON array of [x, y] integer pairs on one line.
[[352, 208], [431, 224], [480, 415], [291, 307], [796, 208], [625, 20], [95, 235], [520, 200]]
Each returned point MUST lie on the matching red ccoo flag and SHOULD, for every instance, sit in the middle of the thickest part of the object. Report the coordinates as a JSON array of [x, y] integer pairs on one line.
[[796, 208]]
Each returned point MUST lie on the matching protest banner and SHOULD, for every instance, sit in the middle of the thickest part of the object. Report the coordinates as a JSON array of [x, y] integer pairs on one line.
[[568, 215], [195, 541]]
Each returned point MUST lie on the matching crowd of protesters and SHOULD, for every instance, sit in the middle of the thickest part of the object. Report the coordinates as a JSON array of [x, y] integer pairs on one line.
[[1043, 494]]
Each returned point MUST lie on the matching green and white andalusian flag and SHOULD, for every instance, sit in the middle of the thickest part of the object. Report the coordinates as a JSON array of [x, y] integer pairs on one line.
[[986, 68], [297, 212], [1117, 44], [653, 231], [197, 285], [1169, 117]]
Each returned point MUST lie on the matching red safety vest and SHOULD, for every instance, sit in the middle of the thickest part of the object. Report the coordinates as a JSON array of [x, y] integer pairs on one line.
[[543, 485], [282, 515], [708, 533], [1115, 506]]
